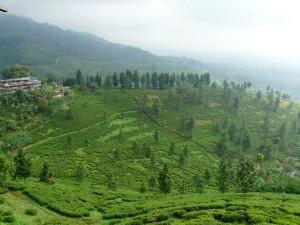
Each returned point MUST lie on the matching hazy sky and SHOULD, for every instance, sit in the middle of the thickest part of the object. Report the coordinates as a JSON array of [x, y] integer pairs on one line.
[[195, 28]]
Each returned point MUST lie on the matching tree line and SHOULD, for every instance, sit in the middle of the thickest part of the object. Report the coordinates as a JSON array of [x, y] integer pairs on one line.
[[129, 79]]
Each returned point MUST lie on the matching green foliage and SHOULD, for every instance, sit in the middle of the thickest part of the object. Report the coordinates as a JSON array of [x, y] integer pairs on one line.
[[16, 71], [103, 115], [78, 138], [207, 175], [31, 212], [143, 188], [223, 177], [44, 175], [9, 219], [152, 182], [4, 169], [223, 146], [246, 141], [79, 77], [199, 183], [182, 160], [23, 165], [232, 132], [237, 103], [80, 172], [164, 180], [111, 181], [246, 175], [108, 82], [172, 148], [17, 140], [182, 187], [156, 137], [61, 198]]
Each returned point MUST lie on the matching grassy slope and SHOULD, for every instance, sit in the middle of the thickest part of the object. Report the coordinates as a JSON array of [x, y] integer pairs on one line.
[[98, 119], [125, 207]]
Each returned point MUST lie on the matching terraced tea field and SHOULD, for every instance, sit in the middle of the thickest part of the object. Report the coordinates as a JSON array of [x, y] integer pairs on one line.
[[110, 146]]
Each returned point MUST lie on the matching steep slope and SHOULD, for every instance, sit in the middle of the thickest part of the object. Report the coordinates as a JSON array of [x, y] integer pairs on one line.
[[31, 38], [106, 147], [100, 138], [49, 49]]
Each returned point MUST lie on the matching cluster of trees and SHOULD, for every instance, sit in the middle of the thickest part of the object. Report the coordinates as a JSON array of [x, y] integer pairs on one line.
[[16, 71], [273, 98], [240, 138], [20, 168], [246, 175], [14, 99], [232, 136], [15, 141], [129, 79], [241, 175], [19, 107], [228, 95]]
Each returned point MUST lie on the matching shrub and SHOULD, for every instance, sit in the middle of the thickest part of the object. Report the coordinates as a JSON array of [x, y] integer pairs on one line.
[[31, 212], [2, 200], [231, 217], [158, 218], [7, 213], [113, 222], [179, 213], [14, 186], [135, 222], [192, 215], [3, 190], [9, 219]]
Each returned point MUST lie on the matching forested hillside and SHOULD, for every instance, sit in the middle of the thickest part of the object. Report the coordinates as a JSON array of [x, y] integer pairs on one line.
[[160, 148], [49, 49]]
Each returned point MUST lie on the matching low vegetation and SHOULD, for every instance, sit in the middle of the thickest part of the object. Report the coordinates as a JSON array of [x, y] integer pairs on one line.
[[151, 148]]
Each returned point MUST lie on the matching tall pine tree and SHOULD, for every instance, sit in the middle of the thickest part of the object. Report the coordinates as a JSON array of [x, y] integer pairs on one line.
[[23, 165], [164, 180]]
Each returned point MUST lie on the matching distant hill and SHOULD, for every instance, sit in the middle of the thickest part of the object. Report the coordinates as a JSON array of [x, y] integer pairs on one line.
[[49, 49]]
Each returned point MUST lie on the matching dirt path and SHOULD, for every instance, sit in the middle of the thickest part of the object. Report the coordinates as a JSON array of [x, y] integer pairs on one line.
[[63, 135], [67, 134]]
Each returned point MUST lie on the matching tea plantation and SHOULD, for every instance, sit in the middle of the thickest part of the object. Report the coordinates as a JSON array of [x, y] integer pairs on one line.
[[105, 150]]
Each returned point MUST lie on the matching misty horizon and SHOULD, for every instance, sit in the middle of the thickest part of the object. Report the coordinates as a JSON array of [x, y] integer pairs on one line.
[[263, 30]]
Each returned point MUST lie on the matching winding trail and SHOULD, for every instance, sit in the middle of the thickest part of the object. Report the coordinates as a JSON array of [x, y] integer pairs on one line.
[[63, 135]]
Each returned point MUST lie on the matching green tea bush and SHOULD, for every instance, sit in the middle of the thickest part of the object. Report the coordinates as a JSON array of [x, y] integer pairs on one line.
[[15, 186], [31, 212], [195, 214], [124, 215], [204, 207], [179, 213], [9, 219], [157, 218], [115, 221], [231, 217], [3, 190], [7, 213], [136, 222]]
